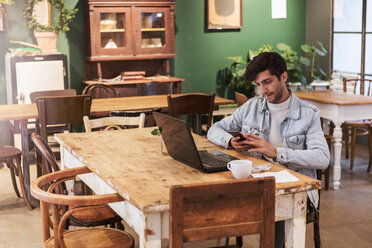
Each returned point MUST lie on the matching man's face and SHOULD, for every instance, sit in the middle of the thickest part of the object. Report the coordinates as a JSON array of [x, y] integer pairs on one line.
[[274, 90]]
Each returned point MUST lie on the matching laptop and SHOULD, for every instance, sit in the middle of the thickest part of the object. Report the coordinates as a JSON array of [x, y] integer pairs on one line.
[[181, 146]]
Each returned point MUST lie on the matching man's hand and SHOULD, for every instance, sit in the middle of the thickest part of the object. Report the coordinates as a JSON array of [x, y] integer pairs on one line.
[[253, 143], [238, 144]]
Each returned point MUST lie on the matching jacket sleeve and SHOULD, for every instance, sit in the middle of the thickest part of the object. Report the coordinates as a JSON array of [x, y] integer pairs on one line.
[[218, 132], [316, 153]]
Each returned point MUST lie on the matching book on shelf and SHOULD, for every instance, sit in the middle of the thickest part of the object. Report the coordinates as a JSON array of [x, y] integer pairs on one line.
[[132, 78], [133, 73]]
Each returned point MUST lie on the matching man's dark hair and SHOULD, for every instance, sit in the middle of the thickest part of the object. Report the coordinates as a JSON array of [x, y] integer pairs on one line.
[[271, 61]]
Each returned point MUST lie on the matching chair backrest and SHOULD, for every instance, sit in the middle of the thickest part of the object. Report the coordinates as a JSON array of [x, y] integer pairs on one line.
[[66, 92], [240, 98], [360, 86], [114, 122], [51, 164], [192, 104], [223, 209], [155, 88], [100, 91], [149, 119], [62, 110], [46, 189]]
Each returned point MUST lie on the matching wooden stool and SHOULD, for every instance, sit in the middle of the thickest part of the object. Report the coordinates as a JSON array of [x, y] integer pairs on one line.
[[9, 155]]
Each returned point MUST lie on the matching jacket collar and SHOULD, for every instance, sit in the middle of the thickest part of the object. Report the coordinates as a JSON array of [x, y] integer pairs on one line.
[[294, 111]]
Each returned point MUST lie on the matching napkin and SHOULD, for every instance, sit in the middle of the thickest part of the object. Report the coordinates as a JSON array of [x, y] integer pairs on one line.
[[283, 176]]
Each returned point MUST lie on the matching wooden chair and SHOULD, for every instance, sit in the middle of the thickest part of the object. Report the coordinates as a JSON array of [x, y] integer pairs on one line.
[[357, 128], [240, 98], [109, 123], [194, 105], [99, 216], [222, 209], [149, 119], [155, 88], [61, 110], [100, 91], [325, 172], [55, 128], [48, 190], [11, 156]]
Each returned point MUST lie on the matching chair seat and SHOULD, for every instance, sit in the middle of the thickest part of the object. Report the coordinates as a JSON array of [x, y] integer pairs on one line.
[[95, 215], [94, 237], [9, 152]]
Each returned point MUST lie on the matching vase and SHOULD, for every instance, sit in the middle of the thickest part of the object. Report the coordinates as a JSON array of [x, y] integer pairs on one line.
[[164, 150], [47, 41]]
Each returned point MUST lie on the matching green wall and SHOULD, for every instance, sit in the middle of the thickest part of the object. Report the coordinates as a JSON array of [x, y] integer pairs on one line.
[[201, 54]]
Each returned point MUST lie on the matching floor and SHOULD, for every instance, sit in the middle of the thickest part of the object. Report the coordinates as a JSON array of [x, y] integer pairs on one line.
[[346, 214]]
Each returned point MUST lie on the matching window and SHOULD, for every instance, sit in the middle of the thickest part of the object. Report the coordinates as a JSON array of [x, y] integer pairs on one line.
[[352, 37]]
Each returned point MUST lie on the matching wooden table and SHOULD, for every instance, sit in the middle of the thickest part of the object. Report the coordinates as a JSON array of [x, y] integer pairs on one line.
[[130, 163], [24, 112], [338, 107]]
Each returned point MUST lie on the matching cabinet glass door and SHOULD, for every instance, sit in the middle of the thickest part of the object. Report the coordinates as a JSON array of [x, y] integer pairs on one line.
[[113, 30], [152, 30], [155, 30]]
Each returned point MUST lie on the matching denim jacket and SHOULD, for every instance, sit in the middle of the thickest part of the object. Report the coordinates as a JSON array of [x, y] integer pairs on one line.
[[304, 146]]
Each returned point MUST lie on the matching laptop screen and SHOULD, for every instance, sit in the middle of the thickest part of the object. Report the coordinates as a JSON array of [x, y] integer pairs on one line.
[[178, 140]]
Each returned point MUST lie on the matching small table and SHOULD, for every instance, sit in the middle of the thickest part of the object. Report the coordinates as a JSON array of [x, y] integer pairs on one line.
[[130, 163], [24, 112], [338, 107]]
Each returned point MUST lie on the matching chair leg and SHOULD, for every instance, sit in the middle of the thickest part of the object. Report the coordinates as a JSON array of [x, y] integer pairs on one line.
[[353, 141], [120, 225], [11, 167], [346, 135], [316, 231], [369, 148], [21, 183], [239, 241], [227, 240], [326, 176]]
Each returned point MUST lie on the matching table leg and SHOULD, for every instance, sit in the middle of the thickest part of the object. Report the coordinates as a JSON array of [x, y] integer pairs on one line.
[[295, 228], [26, 162], [337, 134]]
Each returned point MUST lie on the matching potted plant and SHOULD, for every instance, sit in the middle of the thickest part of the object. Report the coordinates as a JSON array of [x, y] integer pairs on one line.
[[301, 70], [311, 72], [47, 35]]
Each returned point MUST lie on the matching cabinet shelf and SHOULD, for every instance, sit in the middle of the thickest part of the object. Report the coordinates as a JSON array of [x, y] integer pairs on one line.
[[152, 29], [113, 30]]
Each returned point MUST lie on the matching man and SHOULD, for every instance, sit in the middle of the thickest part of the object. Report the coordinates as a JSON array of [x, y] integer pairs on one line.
[[277, 126]]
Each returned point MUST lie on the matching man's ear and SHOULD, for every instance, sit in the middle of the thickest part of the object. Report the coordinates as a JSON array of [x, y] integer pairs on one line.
[[283, 77]]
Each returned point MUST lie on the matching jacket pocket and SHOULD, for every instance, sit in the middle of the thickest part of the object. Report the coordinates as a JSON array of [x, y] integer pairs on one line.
[[296, 141]]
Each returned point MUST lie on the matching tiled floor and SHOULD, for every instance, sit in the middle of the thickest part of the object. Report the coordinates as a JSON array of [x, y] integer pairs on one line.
[[346, 214]]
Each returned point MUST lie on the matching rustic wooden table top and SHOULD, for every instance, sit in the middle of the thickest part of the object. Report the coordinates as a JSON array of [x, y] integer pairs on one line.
[[334, 97], [131, 162], [99, 106]]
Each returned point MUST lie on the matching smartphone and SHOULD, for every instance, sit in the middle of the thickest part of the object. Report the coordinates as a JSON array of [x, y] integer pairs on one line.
[[238, 134]]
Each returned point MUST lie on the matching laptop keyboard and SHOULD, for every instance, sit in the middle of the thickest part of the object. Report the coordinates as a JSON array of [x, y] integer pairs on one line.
[[213, 160]]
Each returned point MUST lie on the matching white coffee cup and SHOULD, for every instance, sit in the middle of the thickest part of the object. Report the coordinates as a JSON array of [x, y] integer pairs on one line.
[[240, 168]]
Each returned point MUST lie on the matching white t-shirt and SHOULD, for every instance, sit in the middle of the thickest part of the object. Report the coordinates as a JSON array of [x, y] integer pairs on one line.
[[278, 112]]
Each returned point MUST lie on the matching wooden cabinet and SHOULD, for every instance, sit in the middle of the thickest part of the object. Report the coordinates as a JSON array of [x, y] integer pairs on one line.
[[128, 35]]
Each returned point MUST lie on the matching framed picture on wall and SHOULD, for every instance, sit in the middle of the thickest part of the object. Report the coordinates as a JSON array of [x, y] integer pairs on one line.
[[224, 14]]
